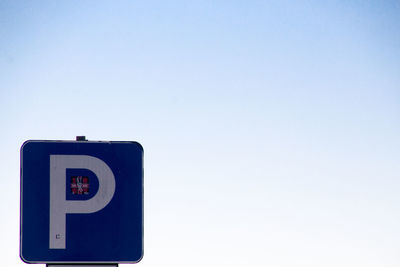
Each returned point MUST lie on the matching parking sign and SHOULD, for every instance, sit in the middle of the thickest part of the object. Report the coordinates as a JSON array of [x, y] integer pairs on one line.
[[81, 202]]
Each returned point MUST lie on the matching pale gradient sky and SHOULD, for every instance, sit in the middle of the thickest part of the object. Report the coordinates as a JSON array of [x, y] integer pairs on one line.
[[270, 128]]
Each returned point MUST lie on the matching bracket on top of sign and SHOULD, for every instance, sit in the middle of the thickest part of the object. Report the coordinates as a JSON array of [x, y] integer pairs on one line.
[[81, 138]]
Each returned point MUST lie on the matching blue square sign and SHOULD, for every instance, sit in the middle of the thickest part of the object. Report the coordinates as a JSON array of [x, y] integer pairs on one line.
[[81, 202]]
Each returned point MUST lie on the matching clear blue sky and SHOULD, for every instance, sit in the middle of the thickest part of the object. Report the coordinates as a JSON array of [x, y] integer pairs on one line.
[[270, 128]]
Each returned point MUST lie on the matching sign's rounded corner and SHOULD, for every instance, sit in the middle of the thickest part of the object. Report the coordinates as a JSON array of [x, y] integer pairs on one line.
[[139, 145], [140, 258], [21, 256], [25, 143]]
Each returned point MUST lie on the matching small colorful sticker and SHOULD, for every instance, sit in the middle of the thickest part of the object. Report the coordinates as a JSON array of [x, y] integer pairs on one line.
[[80, 185]]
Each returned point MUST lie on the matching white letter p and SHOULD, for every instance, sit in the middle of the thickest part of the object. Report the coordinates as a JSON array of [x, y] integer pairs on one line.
[[59, 206]]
